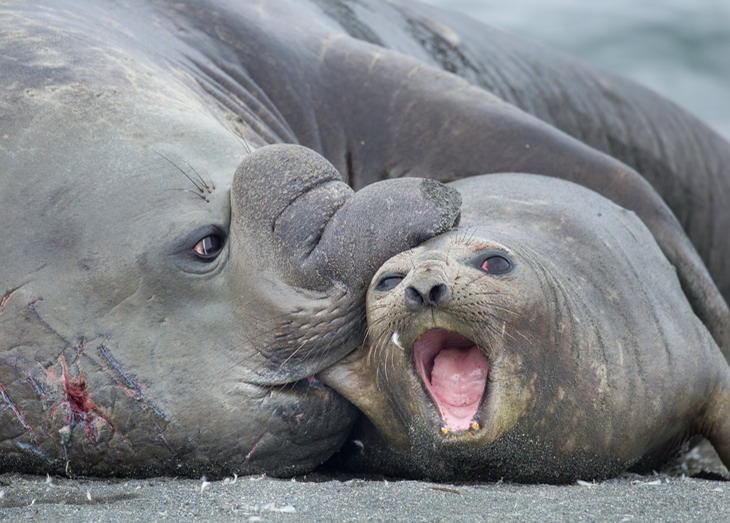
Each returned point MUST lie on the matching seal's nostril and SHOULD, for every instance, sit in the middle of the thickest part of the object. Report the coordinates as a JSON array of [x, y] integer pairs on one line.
[[417, 298], [413, 297], [439, 294]]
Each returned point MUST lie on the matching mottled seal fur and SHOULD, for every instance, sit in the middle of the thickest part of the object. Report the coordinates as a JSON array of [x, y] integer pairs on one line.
[[547, 339]]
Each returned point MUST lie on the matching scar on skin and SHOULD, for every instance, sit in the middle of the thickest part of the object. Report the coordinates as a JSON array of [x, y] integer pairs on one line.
[[33, 308], [5, 299], [250, 452], [33, 450], [79, 351], [327, 45], [414, 71], [376, 58], [16, 410], [127, 383], [39, 392]]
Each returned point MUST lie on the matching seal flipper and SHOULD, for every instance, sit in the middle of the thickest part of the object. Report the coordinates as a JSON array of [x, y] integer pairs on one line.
[[485, 135]]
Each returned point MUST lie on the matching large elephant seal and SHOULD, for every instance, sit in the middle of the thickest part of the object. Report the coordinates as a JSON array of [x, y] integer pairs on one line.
[[546, 339], [165, 298]]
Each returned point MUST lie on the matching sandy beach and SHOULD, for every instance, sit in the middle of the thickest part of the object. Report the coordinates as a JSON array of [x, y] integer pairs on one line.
[[325, 497], [336, 496]]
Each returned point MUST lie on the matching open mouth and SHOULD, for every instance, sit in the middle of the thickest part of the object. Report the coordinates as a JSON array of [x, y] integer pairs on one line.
[[454, 371]]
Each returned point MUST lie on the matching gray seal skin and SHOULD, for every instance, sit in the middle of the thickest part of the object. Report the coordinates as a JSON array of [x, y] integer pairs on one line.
[[152, 322], [165, 296], [546, 339]]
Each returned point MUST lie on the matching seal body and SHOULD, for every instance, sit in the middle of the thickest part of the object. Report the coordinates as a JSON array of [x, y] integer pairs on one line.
[[166, 296], [547, 339]]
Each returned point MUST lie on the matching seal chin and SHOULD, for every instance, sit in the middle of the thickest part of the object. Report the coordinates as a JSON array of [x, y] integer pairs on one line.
[[453, 370]]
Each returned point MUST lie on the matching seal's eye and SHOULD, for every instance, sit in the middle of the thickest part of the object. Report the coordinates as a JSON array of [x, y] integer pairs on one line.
[[389, 282], [209, 247], [496, 264]]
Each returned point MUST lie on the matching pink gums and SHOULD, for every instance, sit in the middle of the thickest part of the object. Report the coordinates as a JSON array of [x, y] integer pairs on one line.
[[454, 372]]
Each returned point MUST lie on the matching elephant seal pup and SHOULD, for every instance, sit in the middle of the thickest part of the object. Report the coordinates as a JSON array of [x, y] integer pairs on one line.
[[546, 339]]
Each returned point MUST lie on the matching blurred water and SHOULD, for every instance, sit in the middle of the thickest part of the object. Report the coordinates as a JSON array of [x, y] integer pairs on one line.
[[680, 48]]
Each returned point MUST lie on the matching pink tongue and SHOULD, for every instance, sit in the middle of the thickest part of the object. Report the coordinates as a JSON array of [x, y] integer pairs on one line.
[[458, 380]]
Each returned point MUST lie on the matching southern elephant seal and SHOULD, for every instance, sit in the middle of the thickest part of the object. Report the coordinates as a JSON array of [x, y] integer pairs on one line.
[[546, 339], [165, 296], [112, 112]]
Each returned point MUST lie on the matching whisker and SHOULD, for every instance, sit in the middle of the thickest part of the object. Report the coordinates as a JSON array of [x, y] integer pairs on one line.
[[242, 139], [209, 186], [200, 187]]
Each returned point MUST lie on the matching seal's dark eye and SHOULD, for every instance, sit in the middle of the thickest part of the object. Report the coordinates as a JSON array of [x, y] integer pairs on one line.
[[496, 264], [389, 282], [209, 247]]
